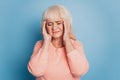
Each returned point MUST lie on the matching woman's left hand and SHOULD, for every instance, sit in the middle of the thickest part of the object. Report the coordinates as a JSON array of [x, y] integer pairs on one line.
[[66, 32]]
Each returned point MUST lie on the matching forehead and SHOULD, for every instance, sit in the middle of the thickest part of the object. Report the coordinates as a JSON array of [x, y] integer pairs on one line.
[[55, 20]]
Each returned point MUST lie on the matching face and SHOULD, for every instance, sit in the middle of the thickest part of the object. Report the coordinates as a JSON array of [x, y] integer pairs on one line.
[[54, 27]]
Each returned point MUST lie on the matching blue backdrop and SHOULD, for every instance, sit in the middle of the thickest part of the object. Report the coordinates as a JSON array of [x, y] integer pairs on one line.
[[95, 22]]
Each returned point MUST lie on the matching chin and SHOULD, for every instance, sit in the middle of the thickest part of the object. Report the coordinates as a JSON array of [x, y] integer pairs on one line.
[[57, 36]]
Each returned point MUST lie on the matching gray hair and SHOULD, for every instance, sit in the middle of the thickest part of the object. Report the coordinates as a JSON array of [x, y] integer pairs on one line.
[[59, 11]]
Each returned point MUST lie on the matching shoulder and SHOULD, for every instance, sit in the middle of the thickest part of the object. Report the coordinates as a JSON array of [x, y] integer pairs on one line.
[[38, 43]]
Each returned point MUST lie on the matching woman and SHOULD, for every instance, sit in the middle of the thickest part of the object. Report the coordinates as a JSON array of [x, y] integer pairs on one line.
[[59, 56]]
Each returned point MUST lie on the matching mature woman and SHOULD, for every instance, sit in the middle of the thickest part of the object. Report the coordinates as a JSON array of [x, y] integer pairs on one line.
[[59, 56]]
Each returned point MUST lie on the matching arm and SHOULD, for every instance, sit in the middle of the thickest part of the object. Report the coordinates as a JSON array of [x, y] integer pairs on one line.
[[76, 58], [38, 61]]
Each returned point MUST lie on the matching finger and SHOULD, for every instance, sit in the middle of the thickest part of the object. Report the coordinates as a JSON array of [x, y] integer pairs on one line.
[[44, 29], [65, 28]]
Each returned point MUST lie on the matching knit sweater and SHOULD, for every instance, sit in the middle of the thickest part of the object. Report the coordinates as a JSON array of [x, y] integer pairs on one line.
[[57, 64]]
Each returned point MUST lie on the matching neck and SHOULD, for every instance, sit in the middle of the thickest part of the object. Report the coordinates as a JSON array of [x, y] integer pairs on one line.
[[57, 42]]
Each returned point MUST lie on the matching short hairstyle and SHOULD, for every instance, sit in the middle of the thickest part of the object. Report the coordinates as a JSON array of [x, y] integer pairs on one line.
[[63, 13]]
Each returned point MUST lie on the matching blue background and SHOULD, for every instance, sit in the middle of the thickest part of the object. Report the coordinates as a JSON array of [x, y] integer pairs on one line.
[[95, 22]]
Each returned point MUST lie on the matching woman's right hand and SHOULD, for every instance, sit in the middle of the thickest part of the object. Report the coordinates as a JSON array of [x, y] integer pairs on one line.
[[46, 36]]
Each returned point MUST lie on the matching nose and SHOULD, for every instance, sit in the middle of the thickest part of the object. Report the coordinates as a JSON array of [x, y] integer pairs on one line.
[[54, 27]]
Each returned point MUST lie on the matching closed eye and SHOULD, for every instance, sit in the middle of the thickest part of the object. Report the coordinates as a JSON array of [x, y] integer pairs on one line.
[[59, 23], [50, 24]]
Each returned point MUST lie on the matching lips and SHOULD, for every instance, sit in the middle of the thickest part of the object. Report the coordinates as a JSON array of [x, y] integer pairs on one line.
[[56, 32]]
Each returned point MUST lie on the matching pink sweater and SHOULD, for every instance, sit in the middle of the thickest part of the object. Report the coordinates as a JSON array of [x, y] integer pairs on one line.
[[58, 65]]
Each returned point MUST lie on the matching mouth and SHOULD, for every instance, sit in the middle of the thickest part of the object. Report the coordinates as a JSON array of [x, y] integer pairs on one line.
[[55, 32]]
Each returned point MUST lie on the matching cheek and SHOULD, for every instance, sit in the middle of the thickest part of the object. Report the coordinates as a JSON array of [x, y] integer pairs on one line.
[[49, 29], [62, 30]]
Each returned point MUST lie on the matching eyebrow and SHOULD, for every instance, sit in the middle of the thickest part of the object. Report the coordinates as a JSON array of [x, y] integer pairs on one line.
[[55, 21], [49, 22]]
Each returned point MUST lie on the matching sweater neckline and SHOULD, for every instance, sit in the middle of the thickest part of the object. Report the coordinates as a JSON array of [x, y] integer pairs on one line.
[[60, 47], [55, 47]]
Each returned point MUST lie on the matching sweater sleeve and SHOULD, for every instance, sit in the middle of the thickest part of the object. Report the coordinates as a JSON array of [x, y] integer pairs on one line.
[[77, 60], [38, 61]]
